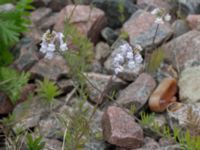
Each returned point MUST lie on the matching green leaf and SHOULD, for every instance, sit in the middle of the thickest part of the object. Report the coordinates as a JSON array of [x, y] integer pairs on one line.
[[155, 60], [48, 90], [12, 82]]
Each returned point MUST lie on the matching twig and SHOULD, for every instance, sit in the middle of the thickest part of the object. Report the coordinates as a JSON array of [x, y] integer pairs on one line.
[[69, 96]]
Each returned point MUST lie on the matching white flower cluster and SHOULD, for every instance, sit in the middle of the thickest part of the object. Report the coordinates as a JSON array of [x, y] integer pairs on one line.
[[127, 55], [161, 16], [49, 41]]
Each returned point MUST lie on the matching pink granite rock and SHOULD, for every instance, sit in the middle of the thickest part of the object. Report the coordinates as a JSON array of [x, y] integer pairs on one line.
[[120, 129], [193, 21], [141, 28], [89, 21]]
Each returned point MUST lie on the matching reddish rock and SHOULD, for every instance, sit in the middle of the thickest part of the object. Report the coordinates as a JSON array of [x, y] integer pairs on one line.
[[138, 92], [183, 51], [120, 129], [193, 21], [52, 69], [89, 21], [6, 105], [163, 95], [141, 29]]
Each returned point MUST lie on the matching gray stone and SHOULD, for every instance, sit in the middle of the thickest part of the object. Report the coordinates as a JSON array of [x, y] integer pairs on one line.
[[120, 129], [109, 35], [145, 39], [180, 27], [39, 14], [183, 51], [27, 57], [52, 69], [189, 7], [189, 85], [101, 82], [138, 92], [141, 29], [52, 144], [102, 51], [96, 145], [51, 127], [96, 67], [48, 22], [66, 85], [127, 74], [117, 11], [145, 4], [29, 113], [170, 147]]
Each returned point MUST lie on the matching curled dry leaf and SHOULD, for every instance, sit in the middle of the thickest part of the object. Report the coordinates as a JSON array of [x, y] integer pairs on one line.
[[163, 95]]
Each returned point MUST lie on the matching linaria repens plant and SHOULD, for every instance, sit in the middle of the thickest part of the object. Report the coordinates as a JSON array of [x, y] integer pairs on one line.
[[11, 82], [129, 55], [52, 42]]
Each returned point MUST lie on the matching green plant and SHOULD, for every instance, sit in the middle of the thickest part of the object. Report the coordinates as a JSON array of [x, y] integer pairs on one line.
[[155, 60], [132, 109], [146, 118], [12, 82], [183, 137], [48, 90], [12, 24], [34, 143]]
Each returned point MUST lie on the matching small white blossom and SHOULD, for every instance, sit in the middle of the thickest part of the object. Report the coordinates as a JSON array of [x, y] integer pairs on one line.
[[119, 59], [63, 47], [131, 64], [167, 17], [159, 21], [118, 69], [49, 39], [129, 55], [51, 47], [138, 58], [156, 11], [126, 47], [49, 55], [161, 16], [43, 47]]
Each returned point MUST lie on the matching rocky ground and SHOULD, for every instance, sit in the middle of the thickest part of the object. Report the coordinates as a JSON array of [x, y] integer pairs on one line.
[[176, 80]]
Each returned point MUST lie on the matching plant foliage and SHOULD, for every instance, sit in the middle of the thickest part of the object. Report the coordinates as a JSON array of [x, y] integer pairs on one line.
[[35, 143], [12, 82], [48, 90], [12, 24], [155, 60]]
